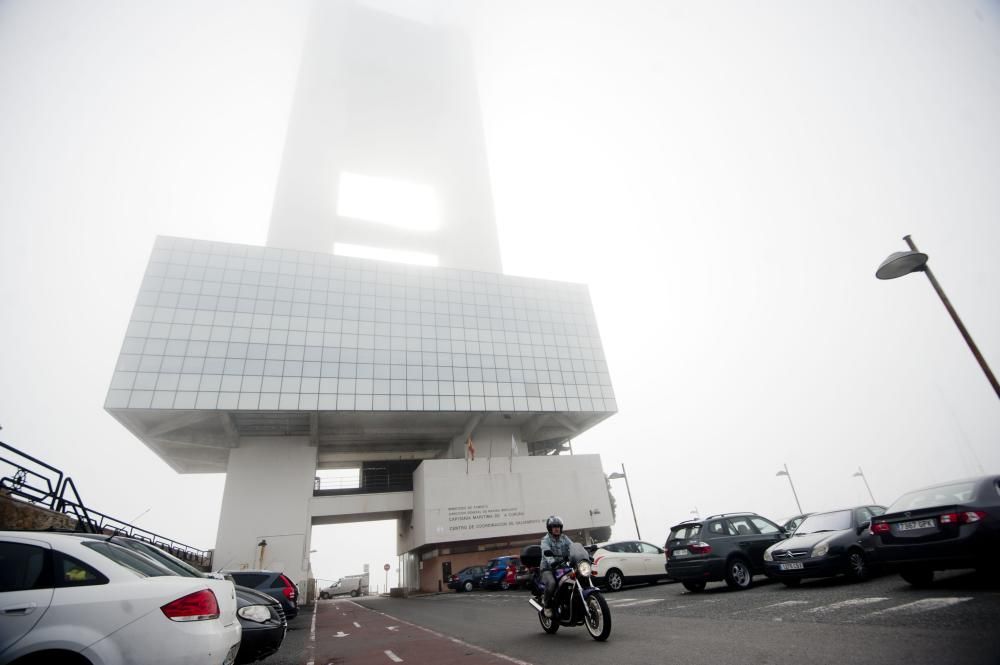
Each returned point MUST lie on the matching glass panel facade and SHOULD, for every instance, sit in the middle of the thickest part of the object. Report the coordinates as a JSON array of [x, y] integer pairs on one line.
[[231, 327]]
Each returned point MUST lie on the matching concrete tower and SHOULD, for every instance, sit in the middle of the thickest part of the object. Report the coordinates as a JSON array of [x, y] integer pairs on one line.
[[269, 363]]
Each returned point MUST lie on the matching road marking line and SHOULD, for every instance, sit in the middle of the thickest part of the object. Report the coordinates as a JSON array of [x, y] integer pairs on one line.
[[922, 605], [641, 602], [619, 601], [852, 602], [495, 654], [787, 603], [393, 657], [357, 625], [311, 647], [392, 628]]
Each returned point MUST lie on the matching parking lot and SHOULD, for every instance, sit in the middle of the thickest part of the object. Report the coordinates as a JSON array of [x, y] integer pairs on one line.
[[824, 621]]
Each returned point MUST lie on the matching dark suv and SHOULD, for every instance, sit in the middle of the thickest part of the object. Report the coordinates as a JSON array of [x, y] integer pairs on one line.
[[726, 547], [276, 585]]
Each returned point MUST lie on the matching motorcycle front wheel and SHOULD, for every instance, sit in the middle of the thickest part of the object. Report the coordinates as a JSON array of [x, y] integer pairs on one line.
[[599, 621]]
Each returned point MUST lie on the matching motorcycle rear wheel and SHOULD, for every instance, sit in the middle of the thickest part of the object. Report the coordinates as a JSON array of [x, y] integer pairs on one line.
[[599, 622], [549, 624]]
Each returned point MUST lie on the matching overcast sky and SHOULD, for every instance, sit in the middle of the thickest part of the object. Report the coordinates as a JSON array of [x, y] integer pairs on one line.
[[726, 177]]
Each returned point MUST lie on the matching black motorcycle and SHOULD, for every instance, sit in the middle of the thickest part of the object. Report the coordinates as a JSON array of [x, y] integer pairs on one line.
[[576, 601]]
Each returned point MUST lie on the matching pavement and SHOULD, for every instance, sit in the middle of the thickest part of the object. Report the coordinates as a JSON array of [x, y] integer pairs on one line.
[[824, 621]]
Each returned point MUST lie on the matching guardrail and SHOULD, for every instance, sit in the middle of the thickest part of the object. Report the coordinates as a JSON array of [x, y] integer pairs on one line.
[[33, 481], [372, 483]]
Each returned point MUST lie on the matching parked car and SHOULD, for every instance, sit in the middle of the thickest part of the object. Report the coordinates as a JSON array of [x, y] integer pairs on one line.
[[626, 562], [941, 527], [824, 545], [275, 584], [726, 547], [352, 585], [467, 579], [792, 523], [65, 598], [261, 617], [501, 573]]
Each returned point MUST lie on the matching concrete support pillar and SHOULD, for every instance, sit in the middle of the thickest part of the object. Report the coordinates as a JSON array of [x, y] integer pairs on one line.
[[269, 485]]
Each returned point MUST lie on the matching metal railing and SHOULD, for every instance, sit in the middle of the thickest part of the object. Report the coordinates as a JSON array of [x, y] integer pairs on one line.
[[372, 483], [33, 481]]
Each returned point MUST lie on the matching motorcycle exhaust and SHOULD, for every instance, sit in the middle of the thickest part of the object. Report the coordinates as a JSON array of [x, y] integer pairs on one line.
[[534, 603]]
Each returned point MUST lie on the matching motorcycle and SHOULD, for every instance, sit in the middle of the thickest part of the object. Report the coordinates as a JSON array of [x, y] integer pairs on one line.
[[575, 601]]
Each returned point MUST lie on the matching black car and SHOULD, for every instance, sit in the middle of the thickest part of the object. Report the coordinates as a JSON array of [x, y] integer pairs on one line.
[[263, 623], [942, 527], [726, 547], [261, 618], [824, 545], [467, 579], [275, 584]]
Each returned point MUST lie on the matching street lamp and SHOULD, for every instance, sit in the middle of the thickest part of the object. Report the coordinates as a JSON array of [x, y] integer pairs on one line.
[[903, 263], [861, 474], [794, 493], [617, 475]]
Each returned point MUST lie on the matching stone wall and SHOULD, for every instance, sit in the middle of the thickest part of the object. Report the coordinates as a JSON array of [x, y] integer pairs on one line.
[[16, 514]]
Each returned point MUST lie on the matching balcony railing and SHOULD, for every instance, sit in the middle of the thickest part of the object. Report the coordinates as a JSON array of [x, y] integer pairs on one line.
[[372, 483]]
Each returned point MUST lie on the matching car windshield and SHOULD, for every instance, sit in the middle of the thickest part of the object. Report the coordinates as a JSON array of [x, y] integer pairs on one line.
[[686, 532], [166, 560], [945, 495], [836, 521], [138, 563]]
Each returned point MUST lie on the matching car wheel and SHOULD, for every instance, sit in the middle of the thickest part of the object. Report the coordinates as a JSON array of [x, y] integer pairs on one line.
[[324, 596], [615, 580], [857, 567], [468, 585], [354, 594], [918, 577], [738, 575], [504, 586], [791, 582], [694, 586]]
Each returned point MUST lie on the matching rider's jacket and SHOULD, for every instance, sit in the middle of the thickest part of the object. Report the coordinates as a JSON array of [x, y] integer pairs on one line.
[[559, 546]]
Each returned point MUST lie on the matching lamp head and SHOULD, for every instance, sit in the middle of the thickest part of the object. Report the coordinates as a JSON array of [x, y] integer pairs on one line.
[[616, 475], [901, 263]]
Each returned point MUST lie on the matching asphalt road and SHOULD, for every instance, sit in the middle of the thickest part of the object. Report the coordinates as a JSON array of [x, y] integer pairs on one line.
[[825, 621]]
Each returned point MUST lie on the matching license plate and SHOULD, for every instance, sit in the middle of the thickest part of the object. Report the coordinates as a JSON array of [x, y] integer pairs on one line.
[[791, 566], [914, 525], [679, 553]]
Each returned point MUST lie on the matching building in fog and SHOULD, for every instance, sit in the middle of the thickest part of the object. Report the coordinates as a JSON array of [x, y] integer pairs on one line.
[[450, 387]]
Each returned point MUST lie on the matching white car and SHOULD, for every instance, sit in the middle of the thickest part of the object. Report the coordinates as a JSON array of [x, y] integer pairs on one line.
[[627, 562], [65, 599]]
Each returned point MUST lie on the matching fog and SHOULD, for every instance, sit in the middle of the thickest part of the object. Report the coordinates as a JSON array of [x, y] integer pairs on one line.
[[725, 177]]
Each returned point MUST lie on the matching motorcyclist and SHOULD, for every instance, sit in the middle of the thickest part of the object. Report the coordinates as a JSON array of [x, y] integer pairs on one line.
[[556, 542]]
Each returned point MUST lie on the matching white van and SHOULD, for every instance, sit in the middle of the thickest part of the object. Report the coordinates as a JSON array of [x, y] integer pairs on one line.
[[352, 585]]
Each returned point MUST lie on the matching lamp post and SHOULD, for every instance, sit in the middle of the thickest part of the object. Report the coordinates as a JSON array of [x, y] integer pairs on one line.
[[861, 474], [903, 263], [617, 475], [794, 493]]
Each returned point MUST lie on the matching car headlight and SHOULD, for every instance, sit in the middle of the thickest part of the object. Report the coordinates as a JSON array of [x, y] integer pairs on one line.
[[767, 555], [583, 568], [258, 613], [821, 549]]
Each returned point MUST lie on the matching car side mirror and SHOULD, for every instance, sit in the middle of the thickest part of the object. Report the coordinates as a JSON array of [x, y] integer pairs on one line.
[[783, 531], [863, 526]]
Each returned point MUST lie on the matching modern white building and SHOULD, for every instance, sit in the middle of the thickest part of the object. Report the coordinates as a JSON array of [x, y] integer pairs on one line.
[[273, 363]]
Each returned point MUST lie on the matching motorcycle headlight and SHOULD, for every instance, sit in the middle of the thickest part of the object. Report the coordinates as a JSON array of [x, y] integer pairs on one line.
[[257, 613], [821, 549], [583, 568]]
